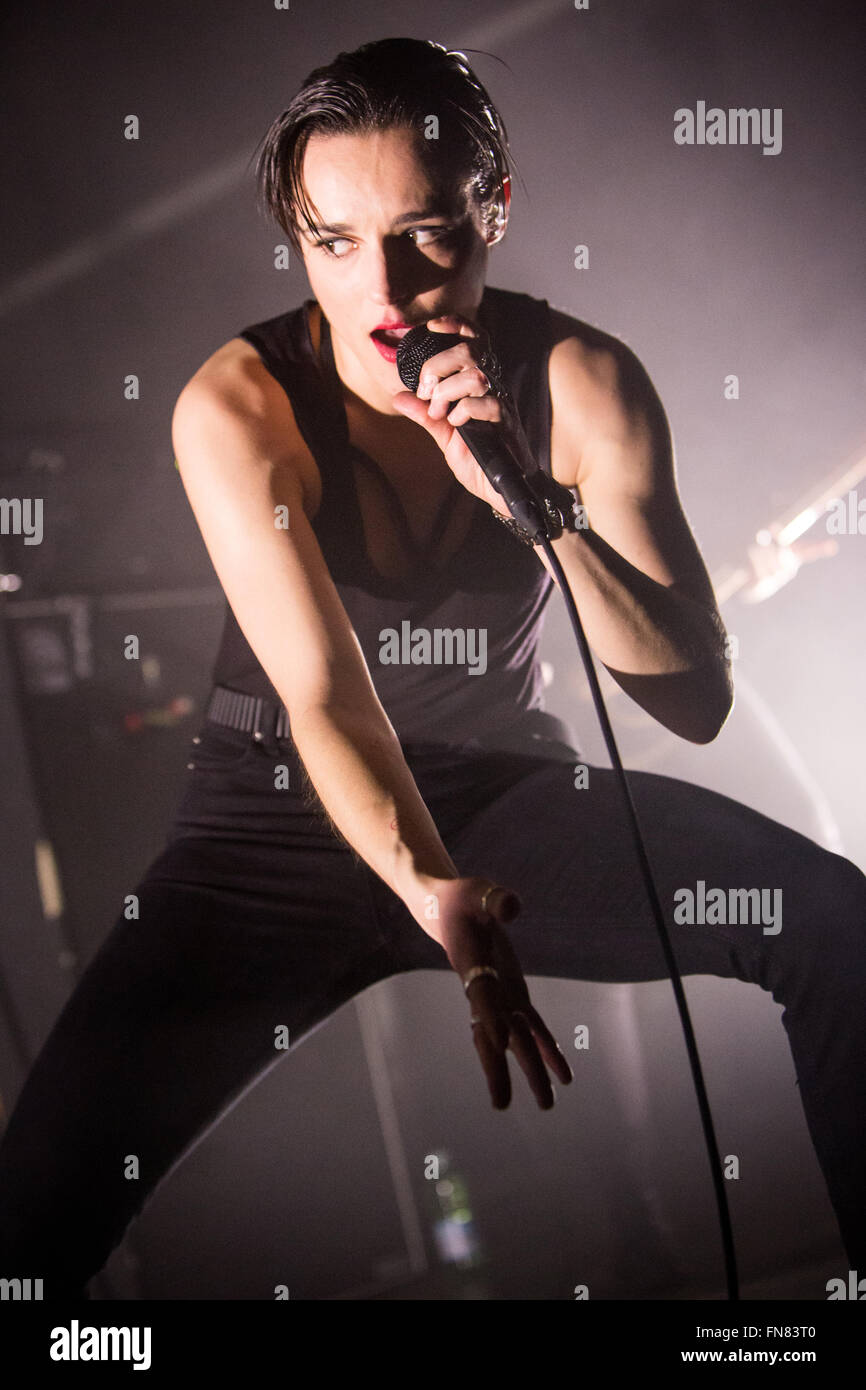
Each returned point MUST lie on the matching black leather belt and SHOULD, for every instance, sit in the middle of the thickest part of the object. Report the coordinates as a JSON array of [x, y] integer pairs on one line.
[[538, 731], [253, 714]]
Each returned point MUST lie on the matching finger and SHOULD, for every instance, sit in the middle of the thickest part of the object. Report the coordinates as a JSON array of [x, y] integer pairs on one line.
[[488, 1005], [549, 1047], [408, 404], [471, 381], [503, 904], [495, 1068], [473, 407], [523, 1046], [442, 366]]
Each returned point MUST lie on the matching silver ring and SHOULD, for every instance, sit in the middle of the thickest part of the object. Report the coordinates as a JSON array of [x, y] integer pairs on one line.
[[475, 1021], [475, 972], [486, 894]]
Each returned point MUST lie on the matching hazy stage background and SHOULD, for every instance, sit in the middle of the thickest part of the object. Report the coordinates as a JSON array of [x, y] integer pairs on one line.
[[143, 256]]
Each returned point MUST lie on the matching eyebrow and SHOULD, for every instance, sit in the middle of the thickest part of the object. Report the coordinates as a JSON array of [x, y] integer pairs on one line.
[[419, 215]]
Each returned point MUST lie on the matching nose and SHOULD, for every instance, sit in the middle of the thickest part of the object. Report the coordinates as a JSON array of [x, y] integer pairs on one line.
[[386, 271]]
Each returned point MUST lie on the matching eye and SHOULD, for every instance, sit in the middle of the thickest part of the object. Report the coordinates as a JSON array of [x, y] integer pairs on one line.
[[427, 236], [330, 245]]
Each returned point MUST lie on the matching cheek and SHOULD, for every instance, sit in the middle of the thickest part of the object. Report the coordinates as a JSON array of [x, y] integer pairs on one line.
[[328, 290], [332, 275], [470, 258]]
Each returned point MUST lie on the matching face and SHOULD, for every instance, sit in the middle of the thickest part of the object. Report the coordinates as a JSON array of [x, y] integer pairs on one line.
[[392, 249]]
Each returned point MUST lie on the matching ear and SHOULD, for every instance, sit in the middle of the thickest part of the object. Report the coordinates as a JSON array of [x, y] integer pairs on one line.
[[496, 233]]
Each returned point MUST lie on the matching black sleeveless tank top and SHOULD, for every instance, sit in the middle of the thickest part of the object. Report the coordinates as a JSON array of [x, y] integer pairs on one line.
[[452, 651]]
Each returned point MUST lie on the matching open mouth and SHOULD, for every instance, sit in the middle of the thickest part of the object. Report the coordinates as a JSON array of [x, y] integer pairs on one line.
[[387, 340], [389, 336]]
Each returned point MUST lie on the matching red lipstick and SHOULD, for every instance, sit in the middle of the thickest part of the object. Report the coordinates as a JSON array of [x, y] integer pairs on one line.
[[386, 336]]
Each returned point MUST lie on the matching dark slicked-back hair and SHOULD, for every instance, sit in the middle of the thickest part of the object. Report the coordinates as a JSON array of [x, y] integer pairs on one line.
[[393, 82]]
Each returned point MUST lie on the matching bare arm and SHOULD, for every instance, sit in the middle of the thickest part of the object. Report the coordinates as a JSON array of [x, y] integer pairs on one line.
[[237, 447], [638, 579], [637, 576]]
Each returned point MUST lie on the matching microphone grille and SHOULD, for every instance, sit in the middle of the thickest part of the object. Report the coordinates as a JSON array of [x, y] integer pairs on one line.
[[414, 350]]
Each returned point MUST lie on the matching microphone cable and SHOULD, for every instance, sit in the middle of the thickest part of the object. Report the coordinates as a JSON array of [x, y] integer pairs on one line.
[[655, 904]]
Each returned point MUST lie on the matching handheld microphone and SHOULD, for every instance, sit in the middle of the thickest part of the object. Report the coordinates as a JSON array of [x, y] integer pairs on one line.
[[483, 438]]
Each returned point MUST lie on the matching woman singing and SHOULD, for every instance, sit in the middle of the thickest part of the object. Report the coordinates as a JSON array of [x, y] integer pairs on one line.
[[376, 787]]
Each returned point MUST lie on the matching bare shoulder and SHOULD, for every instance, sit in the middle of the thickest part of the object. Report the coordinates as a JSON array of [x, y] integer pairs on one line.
[[234, 396], [585, 358], [601, 391]]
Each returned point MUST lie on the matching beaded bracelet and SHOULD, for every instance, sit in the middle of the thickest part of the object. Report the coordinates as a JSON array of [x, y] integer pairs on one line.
[[514, 527], [560, 514]]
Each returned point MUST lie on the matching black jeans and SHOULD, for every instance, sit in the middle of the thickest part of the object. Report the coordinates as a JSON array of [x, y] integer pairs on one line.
[[256, 917]]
